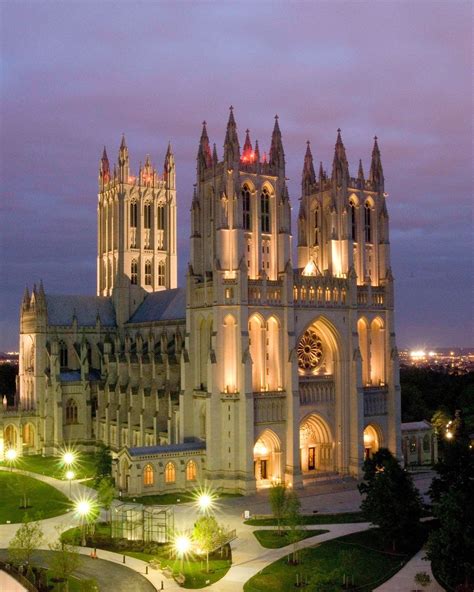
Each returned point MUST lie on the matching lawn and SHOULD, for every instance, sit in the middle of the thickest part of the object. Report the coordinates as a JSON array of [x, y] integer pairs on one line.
[[53, 466], [272, 539], [370, 565], [342, 518], [43, 501], [193, 567]]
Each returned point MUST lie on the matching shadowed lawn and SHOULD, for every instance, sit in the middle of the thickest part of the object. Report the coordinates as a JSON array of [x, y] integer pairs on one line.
[[53, 466], [43, 501], [271, 539], [342, 518], [371, 565]]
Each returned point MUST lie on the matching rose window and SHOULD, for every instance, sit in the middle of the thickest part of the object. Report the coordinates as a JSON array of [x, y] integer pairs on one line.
[[310, 351]]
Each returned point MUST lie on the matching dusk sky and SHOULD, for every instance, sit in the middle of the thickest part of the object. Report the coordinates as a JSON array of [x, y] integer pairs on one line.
[[75, 75]]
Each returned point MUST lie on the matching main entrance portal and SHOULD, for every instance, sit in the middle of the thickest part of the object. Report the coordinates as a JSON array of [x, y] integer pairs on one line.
[[316, 445], [267, 459]]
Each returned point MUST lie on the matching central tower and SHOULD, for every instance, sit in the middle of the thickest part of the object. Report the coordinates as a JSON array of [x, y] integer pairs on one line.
[[240, 263]]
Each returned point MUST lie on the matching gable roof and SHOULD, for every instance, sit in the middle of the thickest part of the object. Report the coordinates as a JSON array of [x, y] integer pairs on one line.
[[165, 305], [416, 425], [61, 309]]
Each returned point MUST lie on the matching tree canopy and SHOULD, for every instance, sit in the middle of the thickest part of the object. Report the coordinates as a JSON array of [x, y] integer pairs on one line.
[[391, 500]]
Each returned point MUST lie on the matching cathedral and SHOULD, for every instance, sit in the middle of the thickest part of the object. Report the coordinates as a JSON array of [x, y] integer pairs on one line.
[[257, 370]]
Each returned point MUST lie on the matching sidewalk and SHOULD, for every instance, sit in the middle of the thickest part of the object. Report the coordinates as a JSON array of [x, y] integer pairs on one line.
[[404, 580]]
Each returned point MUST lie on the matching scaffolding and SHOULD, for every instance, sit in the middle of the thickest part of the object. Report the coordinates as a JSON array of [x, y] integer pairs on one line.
[[136, 522]]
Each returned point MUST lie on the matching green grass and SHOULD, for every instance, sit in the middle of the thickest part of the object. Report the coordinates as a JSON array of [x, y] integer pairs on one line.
[[193, 567], [372, 565], [272, 539], [168, 499], [53, 466], [43, 500], [342, 518]]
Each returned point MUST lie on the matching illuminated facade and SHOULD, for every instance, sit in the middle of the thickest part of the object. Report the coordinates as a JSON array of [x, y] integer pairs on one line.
[[257, 370]]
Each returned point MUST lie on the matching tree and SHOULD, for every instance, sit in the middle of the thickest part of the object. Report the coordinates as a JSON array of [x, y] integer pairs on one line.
[[64, 561], [103, 462], [391, 501], [106, 495], [348, 561], [451, 546], [293, 520], [209, 535], [23, 486], [27, 540], [278, 503]]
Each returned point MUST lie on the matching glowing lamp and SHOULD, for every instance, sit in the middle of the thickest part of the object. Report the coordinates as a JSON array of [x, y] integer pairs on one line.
[[182, 544], [11, 454], [449, 435], [68, 458], [69, 475], [83, 507], [260, 448], [368, 439], [205, 502], [310, 268]]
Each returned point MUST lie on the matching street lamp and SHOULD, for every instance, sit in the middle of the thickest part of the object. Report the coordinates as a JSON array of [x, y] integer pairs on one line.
[[205, 502], [69, 458], [83, 508], [11, 455], [69, 477], [182, 545]]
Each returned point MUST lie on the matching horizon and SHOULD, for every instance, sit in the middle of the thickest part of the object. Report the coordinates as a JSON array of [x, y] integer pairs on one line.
[[61, 102]]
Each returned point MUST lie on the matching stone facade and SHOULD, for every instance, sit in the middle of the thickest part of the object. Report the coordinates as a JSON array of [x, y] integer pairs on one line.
[[257, 370]]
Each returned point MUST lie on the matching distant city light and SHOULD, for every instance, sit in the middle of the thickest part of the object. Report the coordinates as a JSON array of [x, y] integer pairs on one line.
[[417, 354]]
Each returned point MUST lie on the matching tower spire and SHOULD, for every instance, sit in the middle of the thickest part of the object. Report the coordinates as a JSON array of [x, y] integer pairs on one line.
[[248, 155], [124, 161], [204, 151], [231, 142], [376, 171], [277, 155], [104, 167], [309, 176], [340, 166], [360, 174]]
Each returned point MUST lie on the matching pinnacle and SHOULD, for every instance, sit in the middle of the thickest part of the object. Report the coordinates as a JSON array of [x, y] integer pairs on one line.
[[123, 144]]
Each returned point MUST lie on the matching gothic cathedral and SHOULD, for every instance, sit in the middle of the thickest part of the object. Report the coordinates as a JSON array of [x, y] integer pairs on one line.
[[258, 371]]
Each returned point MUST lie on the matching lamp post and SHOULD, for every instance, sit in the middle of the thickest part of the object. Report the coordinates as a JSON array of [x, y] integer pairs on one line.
[[70, 477], [182, 545], [69, 458], [83, 508], [11, 455]]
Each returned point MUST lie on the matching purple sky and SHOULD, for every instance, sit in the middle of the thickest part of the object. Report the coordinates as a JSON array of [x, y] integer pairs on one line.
[[77, 75]]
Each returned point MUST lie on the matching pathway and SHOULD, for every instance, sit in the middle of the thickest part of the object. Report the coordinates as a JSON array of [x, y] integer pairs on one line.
[[403, 580]]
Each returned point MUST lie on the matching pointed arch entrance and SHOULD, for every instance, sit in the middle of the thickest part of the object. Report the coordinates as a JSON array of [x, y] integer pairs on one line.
[[316, 444], [267, 459], [372, 440]]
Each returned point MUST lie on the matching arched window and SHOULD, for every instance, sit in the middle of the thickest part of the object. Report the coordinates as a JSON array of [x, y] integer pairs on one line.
[[246, 216], [161, 273], [63, 359], [191, 471], [134, 272], [316, 226], [265, 210], [89, 354], [160, 217], [147, 216], [229, 346], [28, 435], [148, 476], [134, 214], [170, 473], [148, 273], [368, 222], [353, 214], [71, 412]]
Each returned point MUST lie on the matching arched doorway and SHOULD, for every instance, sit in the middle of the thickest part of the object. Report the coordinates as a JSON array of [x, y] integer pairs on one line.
[[316, 445], [372, 440], [267, 459], [10, 437], [124, 477]]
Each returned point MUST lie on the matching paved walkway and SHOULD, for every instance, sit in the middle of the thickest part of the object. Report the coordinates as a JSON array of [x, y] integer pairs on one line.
[[404, 580], [118, 578]]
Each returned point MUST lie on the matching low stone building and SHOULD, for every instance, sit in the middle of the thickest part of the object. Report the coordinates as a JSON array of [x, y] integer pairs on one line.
[[419, 443]]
